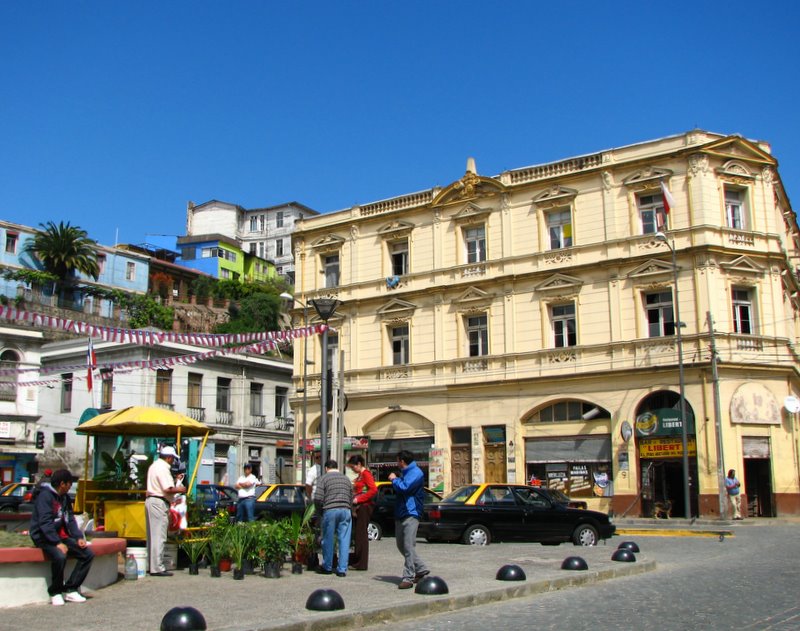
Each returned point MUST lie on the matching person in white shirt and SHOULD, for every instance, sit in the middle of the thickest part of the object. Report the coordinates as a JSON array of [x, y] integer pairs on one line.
[[246, 487], [161, 490], [312, 475]]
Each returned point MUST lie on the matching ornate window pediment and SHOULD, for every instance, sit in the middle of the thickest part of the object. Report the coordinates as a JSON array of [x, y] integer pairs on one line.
[[399, 310], [473, 300], [735, 171], [328, 243], [650, 270], [735, 148], [647, 178], [396, 230], [471, 212], [562, 284], [743, 266], [555, 196]]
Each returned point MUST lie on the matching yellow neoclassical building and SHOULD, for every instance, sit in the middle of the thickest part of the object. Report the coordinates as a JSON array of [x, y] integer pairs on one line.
[[522, 327]]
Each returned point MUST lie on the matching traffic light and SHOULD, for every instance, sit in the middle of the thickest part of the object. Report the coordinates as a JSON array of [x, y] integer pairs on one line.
[[39, 440]]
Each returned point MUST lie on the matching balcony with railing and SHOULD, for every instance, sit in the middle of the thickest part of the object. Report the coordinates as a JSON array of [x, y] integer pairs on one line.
[[198, 414], [224, 417]]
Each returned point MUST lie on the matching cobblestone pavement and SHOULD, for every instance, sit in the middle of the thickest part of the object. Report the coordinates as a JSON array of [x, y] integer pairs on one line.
[[750, 581]]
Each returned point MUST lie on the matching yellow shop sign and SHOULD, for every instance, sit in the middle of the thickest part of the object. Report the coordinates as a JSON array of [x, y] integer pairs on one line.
[[671, 447]]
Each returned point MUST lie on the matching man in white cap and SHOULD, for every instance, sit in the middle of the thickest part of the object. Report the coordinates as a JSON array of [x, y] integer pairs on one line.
[[161, 490]]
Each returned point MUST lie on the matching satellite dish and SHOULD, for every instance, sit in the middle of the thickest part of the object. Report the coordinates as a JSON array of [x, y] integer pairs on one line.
[[792, 404]]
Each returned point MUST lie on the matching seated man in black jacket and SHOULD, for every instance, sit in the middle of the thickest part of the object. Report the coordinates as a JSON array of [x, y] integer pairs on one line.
[[54, 530]]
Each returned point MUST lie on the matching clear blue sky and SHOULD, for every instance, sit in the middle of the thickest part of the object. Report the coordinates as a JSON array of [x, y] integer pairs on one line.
[[114, 114]]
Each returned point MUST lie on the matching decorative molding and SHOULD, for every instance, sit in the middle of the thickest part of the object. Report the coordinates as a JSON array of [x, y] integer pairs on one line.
[[470, 212], [743, 267], [328, 243], [560, 283], [649, 177], [647, 271], [555, 196], [698, 164], [735, 171], [396, 308], [470, 186], [557, 257], [395, 230]]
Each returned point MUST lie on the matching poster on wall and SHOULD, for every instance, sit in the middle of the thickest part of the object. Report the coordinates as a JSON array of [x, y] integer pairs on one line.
[[436, 469]]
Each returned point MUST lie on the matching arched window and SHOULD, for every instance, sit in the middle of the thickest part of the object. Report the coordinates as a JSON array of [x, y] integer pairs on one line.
[[569, 411], [9, 360]]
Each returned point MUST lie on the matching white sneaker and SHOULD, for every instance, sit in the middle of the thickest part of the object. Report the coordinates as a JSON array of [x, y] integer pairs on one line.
[[74, 597], [57, 600]]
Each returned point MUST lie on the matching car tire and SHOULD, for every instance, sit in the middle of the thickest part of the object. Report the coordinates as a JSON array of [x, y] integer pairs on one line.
[[8, 509], [585, 535], [477, 535], [374, 531]]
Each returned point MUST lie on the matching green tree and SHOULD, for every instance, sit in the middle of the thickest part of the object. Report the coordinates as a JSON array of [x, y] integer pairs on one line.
[[62, 250], [254, 313]]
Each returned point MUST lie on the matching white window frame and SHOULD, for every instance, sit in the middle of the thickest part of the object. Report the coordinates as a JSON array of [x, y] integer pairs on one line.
[[475, 243], [742, 305], [332, 269], [659, 304], [256, 399], [650, 205], [130, 271], [559, 228], [279, 247], [735, 207], [12, 240], [279, 219], [477, 330], [398, 254], [565, 325], [253, 223], [399, 338]]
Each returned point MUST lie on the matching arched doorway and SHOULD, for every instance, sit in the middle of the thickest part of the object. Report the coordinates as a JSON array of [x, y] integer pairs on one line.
[[659, 447], [393, 432]]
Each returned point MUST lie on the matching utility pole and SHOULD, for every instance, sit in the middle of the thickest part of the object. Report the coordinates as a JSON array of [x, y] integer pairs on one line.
[[717, 418]]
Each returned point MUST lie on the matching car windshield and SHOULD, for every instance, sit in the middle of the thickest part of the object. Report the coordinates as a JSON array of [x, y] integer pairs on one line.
[[461, 494], [558, 495]]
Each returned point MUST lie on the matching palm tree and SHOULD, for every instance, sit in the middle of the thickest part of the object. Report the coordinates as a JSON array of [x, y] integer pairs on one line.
[[63, 249]]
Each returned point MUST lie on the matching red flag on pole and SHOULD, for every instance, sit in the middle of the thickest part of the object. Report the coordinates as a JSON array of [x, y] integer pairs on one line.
[[91, 363], [668, 201]]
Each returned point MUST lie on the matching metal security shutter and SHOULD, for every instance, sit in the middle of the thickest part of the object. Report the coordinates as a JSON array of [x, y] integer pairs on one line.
[[755, 447], [580, 449]]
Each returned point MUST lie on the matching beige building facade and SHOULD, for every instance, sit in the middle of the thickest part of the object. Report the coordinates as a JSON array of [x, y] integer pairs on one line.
[[523, 327]]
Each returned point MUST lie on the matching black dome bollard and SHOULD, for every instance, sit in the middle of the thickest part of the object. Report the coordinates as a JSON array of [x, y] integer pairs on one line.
[[629, 545], [432, 586], [324, 600], [574, 563], [511, 573], [183, 619], [624, 555]]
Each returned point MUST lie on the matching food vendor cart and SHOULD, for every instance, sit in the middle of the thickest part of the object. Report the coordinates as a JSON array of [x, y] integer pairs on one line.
[[126, 515]]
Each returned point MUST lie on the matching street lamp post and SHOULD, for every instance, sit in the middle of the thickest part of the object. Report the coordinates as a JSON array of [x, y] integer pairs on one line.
[[325, 308], [287, 296], [660, 236]]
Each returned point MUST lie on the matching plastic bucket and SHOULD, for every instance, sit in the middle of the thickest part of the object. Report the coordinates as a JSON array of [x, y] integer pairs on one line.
[[140, 556]]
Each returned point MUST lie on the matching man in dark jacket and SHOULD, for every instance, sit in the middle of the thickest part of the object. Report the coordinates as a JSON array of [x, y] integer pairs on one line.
[[408, 486], [55, 531], [334, 495]]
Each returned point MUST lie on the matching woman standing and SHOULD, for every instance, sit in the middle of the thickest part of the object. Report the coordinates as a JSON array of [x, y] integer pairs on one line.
[[364, 503]]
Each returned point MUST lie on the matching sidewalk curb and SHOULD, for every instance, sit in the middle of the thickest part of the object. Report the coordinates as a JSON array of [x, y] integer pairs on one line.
[[673, 532], [435, 605]]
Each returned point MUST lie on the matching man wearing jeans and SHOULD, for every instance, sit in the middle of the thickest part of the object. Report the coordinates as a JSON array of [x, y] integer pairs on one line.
[[55, 531], [246, 488], [407, 511], [334, 494]]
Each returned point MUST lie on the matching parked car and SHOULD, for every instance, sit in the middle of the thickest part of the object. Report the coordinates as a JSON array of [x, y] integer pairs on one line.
[[382, 520], [14, 494], [478, 514], [216, 497], [276, 501], [560, 496]]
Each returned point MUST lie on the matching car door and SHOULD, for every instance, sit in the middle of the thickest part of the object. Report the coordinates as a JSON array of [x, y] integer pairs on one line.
[[497, 508], [539, 519]]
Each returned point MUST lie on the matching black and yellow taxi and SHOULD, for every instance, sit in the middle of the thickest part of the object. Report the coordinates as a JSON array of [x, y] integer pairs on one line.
[[477, 514], [14, 494], [276, 501]]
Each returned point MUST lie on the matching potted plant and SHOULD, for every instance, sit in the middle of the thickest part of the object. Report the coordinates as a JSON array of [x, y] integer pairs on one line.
[[239, 541], [194, 549], [301, 537], [273, 545], [218, 544]]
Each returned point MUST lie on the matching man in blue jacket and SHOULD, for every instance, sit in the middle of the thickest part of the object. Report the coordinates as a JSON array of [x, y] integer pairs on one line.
[[408, 486], [54, 530]]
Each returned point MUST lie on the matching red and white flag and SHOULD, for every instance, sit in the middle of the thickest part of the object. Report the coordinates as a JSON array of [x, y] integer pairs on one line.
[[91, 364], [668, 201]]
